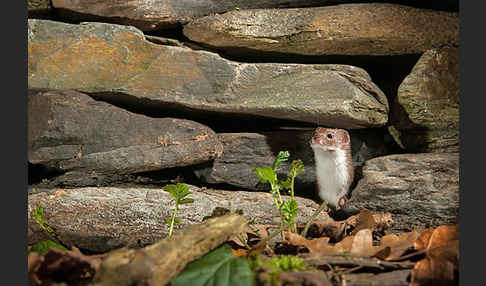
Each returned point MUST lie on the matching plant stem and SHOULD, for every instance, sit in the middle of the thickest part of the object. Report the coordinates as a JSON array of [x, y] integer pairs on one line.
[[312, 218], [270, 236], [173, 220], [240, 238], [292, 188], [294, 225]]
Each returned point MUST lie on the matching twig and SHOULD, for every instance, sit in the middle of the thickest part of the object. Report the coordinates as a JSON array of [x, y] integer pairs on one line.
[[312, 218]]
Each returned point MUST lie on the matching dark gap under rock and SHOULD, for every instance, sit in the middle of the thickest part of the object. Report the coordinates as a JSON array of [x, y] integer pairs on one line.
[[38, 172], [44, 177]]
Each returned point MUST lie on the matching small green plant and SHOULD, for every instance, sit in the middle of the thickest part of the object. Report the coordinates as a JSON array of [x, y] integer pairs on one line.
[[44, 246], [179, 193], [296, 168], [288, 210], [37, 214], [274, 266]]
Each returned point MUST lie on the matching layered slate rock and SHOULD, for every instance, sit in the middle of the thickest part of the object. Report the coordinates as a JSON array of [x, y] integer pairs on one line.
[[420, 190], [149, 15], [242, 152], [39, 8], [117, 62], [72, 132], [349, 29], [426, 110], [100, 219]]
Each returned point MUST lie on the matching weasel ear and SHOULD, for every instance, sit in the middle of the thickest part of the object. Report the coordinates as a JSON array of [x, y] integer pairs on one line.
[[345, 137]]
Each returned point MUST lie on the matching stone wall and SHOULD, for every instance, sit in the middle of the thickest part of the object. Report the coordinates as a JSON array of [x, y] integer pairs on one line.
[[147, 93]]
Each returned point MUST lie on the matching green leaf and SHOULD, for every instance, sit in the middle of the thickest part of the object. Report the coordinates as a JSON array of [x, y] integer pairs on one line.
[[182, 190], [172, 189], [167, 220], [186, 201], [286, 184], [178, 191], [177, 220], [266, 175], [219, 267], [43, 247], [296, 168], [38, 213], [281, 157], [290, 210]]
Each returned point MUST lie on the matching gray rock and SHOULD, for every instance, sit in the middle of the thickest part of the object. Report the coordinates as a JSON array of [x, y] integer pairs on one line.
[[243, 152], [40, 9], [38, 5], [150, 15], [426, 110], [101, 219], [349, 29], [419, 190], [116, 62], [70, 131]]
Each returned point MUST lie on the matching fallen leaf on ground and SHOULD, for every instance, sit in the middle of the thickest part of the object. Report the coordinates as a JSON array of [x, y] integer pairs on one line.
[[334, 230], [239, 252], [364, 220], [397, 244], [383, 221], [440, 265], [360, 244], [70, 266]]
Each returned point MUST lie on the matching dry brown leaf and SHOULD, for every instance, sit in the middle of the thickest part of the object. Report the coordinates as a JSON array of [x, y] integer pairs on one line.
[[335, 230], [260, 230], [442, 235], [423, 240], [360, 244], [239, 252], [33, 260], [440, 266], [398, 245], [434, 271], [363, 243], [234, 239], [382, 220], [70, 266], [365, 220], [317, 245]]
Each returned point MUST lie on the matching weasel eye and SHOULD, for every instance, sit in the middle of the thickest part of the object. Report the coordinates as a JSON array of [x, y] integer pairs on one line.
[[329, 136]]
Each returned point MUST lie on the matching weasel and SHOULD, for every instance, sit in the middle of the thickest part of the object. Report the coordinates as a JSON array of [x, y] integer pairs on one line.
[[334, 165]]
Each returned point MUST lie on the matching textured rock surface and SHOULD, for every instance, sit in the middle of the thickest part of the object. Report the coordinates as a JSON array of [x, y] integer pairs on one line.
[[347, 29], [71, 131], [99, 219], [117, 62], [426, 110], [243, 152], [33, 5], [420, 190], [149, 15]]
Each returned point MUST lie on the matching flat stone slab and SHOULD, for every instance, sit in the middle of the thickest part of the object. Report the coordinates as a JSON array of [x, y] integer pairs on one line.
[[372, 29], [149, 15], [419, 190], [72, 132], [101, 219], [117, 62], [426, 109]]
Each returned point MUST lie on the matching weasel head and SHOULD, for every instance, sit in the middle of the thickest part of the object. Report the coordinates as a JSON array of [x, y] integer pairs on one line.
[[330, 140]]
